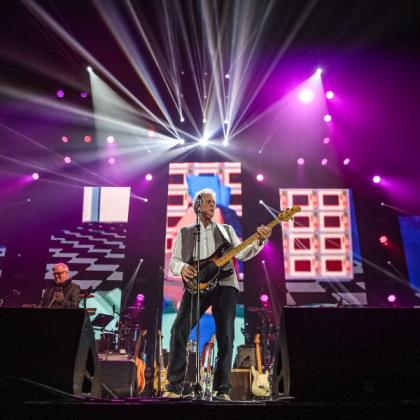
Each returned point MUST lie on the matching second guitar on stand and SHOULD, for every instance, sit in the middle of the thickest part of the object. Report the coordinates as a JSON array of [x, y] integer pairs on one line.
[[260, 380]]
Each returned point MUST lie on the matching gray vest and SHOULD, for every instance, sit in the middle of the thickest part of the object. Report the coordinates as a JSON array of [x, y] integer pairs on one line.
[[187, 235]]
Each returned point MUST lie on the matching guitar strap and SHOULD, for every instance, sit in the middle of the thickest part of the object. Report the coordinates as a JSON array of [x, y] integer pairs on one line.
[[225, 273], [224, 233]]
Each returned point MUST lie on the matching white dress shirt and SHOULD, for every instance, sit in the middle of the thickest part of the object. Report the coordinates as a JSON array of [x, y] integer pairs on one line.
[[207, 247]]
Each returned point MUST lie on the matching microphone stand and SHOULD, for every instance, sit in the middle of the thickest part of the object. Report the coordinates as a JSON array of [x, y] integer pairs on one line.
[[197, 391]]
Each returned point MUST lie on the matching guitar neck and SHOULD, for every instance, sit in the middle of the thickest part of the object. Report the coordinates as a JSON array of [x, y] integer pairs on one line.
[[225, 258], [161, 364], [137, 349], [258, 356]]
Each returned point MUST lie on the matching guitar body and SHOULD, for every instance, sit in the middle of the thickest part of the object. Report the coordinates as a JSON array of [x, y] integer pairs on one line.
[[140, 361], [209, 272], [141, 367], [163, 379], [260, 383]]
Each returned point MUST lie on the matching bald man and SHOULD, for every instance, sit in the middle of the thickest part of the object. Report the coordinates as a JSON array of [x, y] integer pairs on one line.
[[63, 293]]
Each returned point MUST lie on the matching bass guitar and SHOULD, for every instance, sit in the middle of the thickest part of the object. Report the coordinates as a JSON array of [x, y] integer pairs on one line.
[[211, 267], [260, 384]]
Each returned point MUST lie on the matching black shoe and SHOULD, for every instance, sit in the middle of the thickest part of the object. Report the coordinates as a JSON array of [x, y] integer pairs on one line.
[[169, 394], [221, 396]]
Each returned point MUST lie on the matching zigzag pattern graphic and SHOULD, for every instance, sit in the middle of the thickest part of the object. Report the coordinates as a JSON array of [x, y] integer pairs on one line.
[[94, 253]]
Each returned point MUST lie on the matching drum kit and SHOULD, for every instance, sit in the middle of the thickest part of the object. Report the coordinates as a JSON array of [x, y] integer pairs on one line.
[[123, 339]]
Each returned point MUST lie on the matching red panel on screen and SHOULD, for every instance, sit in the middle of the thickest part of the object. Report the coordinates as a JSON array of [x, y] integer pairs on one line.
[[172, 221], [235, 178], [300, 199], [331, 200], [332, 243], [176, 178], [176, 200], [332, 221], [301, 222], [334, 265], [303, 265], [302, 243]]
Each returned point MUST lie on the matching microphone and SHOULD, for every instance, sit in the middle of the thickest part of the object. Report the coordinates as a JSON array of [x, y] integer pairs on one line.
[[197, 203], [58, 288]]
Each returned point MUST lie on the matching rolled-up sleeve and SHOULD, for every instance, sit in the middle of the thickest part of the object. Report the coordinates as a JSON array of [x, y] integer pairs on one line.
[[176, 264], [250, 251]]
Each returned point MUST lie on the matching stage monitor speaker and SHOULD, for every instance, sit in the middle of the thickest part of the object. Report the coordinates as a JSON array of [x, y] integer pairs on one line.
[[347, 353], [53, 347], [120, 377]]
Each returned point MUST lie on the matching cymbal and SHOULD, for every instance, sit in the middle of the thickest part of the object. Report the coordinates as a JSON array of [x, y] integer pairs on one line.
[[257, 309], [86, 296]]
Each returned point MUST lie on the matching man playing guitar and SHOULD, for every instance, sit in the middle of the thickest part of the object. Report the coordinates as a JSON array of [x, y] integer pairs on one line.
[[222, 297]]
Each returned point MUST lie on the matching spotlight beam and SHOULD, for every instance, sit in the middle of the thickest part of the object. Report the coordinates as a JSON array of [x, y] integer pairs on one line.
[[385, 272], [54, 171], [400, 274], [298, 25], [41, 146], [120, 34], [398, 209], [47, 20], [125, 127]]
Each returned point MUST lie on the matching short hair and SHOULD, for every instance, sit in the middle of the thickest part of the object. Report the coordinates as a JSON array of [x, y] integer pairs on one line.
[[206, 191], [65, 266]]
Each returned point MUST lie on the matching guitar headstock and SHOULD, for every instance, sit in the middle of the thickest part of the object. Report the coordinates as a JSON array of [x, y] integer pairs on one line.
[[142, 333], [287, 214]]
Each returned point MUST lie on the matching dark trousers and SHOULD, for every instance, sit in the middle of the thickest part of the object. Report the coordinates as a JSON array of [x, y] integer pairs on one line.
[[223, 301]]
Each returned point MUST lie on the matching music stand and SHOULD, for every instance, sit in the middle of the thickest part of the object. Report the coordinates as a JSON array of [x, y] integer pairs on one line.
[[101, 321]]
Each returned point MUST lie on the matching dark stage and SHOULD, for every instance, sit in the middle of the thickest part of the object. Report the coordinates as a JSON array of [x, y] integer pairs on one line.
[[146, 408]]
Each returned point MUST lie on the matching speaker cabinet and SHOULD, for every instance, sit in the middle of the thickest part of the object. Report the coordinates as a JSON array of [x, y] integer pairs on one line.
[[350, 353], [120, 377], [240, 380], [245, 357], [54, 347]]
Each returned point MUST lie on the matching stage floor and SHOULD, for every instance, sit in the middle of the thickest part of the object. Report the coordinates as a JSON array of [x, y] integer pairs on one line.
[[140, 408]]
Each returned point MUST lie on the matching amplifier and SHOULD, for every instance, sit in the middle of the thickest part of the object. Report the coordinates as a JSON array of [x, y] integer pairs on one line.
[[245, 358], [240, 379], [120, 376]]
